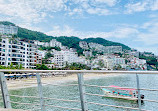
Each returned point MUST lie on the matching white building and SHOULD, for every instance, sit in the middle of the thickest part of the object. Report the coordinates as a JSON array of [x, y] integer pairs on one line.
[[63, 57], [113, 49], [137, 63], [134, 52], [42, 53], [38, 42], [46, 44], [52, 43], [119, 61], [55, 43], [16, 51], [8, 29], [96, 46], [83, 44], [110, 61], [87, 53]]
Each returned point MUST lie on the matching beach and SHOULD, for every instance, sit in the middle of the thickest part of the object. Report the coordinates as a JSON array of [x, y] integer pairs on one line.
[[54, 80]]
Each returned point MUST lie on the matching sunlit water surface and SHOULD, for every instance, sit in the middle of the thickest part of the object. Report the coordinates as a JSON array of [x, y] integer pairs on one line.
[[71, 92]]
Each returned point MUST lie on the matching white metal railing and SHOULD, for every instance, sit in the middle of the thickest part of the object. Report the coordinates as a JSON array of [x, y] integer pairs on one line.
[[38, 73]]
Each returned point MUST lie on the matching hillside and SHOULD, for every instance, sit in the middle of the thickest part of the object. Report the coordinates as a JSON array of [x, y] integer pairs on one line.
[[71, 42], [106, 42]]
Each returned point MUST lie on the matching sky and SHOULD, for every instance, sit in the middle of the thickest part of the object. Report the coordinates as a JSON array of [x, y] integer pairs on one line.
[[131, 22]]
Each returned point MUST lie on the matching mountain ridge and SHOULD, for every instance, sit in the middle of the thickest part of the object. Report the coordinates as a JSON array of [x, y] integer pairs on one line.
[[71, 42]]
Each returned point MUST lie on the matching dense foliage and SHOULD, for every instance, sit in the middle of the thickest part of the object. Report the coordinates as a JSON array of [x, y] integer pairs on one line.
[[33, 35], [50, 48], [11, 66], [7, 23], [150, 60], [71, 42], [73, 66], [48, 55], [77, 66]]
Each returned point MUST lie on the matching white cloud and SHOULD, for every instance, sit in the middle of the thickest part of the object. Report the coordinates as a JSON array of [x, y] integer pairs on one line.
[[65, 31], [29, 12], [155, 5], [148, 49], [142, 6], [98, 11], [35, 11], [137, 7], [117, 33], [95, 7], [108, 2], [148, 33], [150, 36]]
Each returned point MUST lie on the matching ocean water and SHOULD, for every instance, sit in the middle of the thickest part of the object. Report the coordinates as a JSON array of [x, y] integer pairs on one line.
[[71, 92]]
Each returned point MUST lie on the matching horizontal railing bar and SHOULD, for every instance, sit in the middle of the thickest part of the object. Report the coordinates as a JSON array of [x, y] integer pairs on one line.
[[60, 84], [45, 98], [120, 87], [62, 99], [150, 100], [50, 84], [24, 103], [25, 96], [63, 107], [82, 71], [117, 106], [28, 83]]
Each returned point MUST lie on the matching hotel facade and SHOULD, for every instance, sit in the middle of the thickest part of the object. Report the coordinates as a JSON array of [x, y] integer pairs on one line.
[[16, 51]]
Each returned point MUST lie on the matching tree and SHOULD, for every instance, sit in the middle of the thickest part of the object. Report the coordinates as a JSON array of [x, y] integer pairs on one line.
[[41, 67], [48, 55], [117, 67], [11, 66], [20, 66], [101, 63]]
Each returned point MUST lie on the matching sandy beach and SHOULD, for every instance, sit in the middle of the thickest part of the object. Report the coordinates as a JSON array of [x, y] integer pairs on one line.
[[32, 82]]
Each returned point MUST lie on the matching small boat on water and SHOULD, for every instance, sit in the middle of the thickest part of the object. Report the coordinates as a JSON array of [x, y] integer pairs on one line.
[[122, 93]]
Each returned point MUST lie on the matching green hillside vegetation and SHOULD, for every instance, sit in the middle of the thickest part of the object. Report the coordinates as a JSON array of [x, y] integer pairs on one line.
[[7, 23], [71, 42]]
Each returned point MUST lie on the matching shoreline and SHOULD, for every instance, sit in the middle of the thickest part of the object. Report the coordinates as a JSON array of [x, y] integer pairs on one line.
[[32, 82]]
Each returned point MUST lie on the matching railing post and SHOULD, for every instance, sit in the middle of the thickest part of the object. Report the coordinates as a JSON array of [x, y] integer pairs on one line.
[[82, 92], [4, 89], [40, 91], [138, 88]]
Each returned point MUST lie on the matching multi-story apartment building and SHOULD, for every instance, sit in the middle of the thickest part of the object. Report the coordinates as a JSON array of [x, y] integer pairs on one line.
[[38, 42], [63, 57], [96, 46], [8, 29], [16, 51], [135, 62], [113, 49], [83, 44], [55, 43], [38, 58], [52, 43]]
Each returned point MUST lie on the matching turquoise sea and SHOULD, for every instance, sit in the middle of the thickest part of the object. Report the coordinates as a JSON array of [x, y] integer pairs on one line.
[[71, 92]]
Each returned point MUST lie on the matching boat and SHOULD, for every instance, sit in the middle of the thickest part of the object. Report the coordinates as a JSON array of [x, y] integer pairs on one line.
[[122, 93]]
